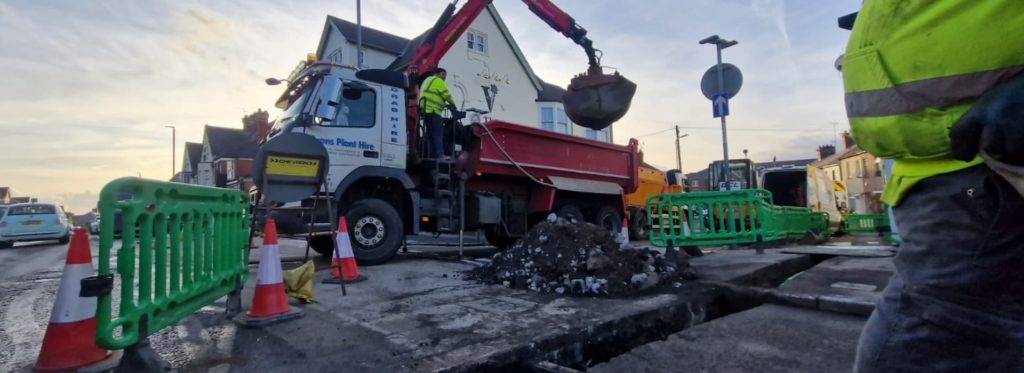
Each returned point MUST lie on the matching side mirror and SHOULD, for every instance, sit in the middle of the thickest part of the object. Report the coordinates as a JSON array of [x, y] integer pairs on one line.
[[273, 81], [329, 90]]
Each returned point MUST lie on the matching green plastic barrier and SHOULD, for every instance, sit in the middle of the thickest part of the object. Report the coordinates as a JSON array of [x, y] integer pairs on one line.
[[182, 247], [727, 218], [865, 223]]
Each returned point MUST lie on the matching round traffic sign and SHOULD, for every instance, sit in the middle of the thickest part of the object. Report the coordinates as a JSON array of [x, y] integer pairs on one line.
[[732, 80]]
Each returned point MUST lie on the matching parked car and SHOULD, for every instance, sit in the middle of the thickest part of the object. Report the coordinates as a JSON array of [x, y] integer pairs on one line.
[[33, 222]]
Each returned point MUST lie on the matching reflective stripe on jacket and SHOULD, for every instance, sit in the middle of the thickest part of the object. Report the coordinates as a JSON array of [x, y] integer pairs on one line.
[[434, 95], [912, 68]]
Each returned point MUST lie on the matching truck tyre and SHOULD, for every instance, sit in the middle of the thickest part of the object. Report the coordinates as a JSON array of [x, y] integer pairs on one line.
[[608, 217], [570, 212], [375, 229], [638, 225], [323, 244]]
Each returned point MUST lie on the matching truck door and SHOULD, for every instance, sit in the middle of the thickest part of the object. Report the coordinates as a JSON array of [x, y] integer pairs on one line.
[[353, 137]]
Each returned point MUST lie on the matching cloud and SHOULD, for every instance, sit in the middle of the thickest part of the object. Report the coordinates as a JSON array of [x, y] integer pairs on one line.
[[89, 86]]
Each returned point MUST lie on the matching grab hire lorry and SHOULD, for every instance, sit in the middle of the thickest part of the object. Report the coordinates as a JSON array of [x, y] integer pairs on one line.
[[500, 178]]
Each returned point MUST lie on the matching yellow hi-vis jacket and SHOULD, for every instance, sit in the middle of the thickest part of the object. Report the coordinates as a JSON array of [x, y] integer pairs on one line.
[[913, 67], [434, 95]]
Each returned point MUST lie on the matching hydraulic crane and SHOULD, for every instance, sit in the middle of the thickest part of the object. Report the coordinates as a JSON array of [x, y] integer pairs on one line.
[[593, 99]]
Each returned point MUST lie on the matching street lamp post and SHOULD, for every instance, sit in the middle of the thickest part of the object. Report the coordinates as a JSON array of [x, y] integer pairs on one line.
[[679, 156], [174, 146], [719, 45]]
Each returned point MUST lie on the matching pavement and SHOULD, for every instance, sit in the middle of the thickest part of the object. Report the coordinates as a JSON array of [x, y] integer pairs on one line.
[[418, 313]]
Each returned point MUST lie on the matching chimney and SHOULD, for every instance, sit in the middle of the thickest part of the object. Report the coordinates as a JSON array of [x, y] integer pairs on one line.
[[826, 151], [257, 125], [847, 140]]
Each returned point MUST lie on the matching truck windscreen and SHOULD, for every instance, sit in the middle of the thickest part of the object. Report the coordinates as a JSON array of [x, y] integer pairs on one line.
[[295, 108]]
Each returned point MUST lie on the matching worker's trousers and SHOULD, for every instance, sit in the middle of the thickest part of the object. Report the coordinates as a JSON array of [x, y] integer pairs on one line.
[[435, 134], [956, 301]]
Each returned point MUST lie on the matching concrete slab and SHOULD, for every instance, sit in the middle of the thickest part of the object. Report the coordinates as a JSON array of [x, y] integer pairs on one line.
[[421, 315], [768, 338], [840, 284], [746, 267]]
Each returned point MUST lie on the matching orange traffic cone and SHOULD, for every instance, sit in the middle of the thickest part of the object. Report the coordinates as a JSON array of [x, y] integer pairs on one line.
[[343, 265], [269, 302], [624, 234], [70, 339]]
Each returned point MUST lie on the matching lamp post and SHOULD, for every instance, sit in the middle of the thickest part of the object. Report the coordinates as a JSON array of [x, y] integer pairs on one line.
[[359, 34], [719, 45], [679, 155], [174, 145]]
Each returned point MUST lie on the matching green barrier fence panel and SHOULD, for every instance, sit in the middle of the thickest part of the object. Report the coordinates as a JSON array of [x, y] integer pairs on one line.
[[865, 223], [726, 218], [182, 247]]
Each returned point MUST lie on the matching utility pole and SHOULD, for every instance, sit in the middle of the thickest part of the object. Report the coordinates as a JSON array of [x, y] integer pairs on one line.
[[719, 45], [679, 158], [359, 34], [174, 146], [679, 155]]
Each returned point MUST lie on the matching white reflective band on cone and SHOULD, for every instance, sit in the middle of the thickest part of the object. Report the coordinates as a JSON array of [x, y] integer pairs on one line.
[[270, 266], [69, 307], [344, 246]]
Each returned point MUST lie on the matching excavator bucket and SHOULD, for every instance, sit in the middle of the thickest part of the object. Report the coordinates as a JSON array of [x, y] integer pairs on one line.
[[596, 100]]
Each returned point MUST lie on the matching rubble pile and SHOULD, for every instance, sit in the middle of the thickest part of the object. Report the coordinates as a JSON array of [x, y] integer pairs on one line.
[[581, 259]]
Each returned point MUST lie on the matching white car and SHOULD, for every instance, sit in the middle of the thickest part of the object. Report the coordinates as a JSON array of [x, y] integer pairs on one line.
[[33, 222]]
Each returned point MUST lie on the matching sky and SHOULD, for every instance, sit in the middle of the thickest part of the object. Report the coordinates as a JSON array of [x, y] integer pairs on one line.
[[87, 87]]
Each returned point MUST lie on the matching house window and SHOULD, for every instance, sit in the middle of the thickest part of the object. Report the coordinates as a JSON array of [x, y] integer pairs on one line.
[[601, 135], [476, 41], [553, 119], [561, 121]]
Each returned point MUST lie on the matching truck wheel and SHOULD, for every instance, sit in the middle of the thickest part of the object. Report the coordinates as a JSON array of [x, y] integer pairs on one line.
[[323, 244], [375, 229], [638, 226], [608, 217], [499, 239], [569, 213]]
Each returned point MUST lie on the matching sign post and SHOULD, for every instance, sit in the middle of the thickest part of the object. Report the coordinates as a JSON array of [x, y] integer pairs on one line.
[[720, 83]]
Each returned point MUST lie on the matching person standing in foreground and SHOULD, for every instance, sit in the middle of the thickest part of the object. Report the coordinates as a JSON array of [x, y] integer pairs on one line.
[[434, 98], [938, 87]]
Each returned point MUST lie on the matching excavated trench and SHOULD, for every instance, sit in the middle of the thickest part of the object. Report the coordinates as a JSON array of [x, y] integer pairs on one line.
[[699, 302]]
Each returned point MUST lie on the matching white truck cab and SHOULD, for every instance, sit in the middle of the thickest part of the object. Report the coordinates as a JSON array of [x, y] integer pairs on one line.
[[359, 122], [359, 117]]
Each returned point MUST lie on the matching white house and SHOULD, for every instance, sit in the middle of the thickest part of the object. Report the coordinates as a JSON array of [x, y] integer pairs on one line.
[[486, 70]]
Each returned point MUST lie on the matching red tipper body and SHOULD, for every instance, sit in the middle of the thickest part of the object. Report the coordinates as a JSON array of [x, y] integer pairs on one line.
[[544, 154]]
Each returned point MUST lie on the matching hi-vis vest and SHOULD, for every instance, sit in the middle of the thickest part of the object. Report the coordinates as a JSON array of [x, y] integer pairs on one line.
[[913, 67], [434, 95]]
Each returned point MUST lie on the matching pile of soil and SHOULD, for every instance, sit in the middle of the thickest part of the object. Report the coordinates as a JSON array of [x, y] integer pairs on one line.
[[581, 259]]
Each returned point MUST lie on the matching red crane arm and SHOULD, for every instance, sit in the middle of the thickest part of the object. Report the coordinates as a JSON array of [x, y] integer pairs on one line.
[[449, 27]]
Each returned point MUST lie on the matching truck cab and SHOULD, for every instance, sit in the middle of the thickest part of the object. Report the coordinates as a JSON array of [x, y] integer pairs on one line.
[[361, 122], [741, 175]]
